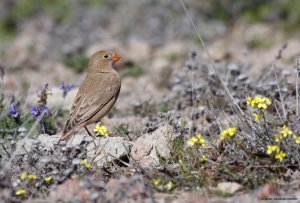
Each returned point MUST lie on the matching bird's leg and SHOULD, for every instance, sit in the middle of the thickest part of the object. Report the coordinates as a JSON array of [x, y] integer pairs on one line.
[[90, 134], [87, 131]]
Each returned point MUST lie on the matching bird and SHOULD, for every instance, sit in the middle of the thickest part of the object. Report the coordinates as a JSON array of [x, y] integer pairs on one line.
[[97, 94]]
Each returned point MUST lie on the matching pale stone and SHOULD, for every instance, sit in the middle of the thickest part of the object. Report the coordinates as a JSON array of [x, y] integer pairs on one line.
[[229, 187], [104, 150], [145, 149]]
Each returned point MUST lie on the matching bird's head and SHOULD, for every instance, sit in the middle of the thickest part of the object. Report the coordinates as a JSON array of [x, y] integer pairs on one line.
[[103, 60]]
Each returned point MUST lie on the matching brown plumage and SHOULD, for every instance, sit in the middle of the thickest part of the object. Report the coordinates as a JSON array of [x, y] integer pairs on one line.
[[97, 94]]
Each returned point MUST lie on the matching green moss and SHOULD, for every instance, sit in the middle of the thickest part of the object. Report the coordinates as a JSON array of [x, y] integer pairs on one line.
[[121, 130], [77, 63], [97, 3], [172, 56], [163, 108], [194, 37], [7, 29], [15, 69], [58, 9], [49, 125], [257, 13], [289, 14], [25, 85], [258, 42], [133, 69]]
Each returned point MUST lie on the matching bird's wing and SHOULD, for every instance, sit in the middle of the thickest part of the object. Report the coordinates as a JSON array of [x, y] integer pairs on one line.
[[91, 98]]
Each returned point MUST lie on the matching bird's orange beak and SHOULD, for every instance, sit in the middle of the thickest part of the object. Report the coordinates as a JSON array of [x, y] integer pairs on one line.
[[116, 57]]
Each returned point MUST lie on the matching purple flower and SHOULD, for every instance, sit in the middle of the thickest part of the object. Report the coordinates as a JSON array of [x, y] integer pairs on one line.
[[13, 111], [66, 90], [44, 110], [46, 86], [70, 87], [38, 94], [62, 86], [34, 111]]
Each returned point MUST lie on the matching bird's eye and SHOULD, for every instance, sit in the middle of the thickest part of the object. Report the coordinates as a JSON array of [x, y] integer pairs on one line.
[[105, 56]]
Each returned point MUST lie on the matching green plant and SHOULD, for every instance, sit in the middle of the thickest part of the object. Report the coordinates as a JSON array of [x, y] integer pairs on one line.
[[77, 63], [133, 69]]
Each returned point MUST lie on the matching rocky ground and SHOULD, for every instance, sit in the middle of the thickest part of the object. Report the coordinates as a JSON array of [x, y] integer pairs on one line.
[[170, 93]]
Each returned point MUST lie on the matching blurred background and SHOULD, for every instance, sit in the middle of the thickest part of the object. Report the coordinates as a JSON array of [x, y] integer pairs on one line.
[[50, 41]]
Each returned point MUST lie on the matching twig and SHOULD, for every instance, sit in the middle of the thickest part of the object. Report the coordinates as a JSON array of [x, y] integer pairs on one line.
[[8, 154], [2, 86], [135, 162], [278, 110], [297, 82], [228, 94], [280, 51], [193, 98], [123, 162], [112, 160], [281, 98], [99, 152], [210, 59]]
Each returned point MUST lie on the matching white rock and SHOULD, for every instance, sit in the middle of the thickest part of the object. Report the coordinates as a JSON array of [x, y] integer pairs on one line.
[[145, 149], [229, 187], [48, 141], [108, 149]]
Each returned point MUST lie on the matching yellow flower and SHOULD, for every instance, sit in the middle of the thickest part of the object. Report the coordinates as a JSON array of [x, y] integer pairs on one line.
[[224, 132], [257, 117], [285, 131], [249, 100], [223, 137], [83, 161], [31, 176], [23, 176], [257, 102], [48, 179], [296, 139], [280, 156], [228, 132], [261, 103], [169, 185], [20, 192], [272, 148], [97, 128], [101, 130], [88, 166], [267, 101], [278, 138], [192, 141], [156, 182], [231, 131], [201, 140], [203, 158]]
